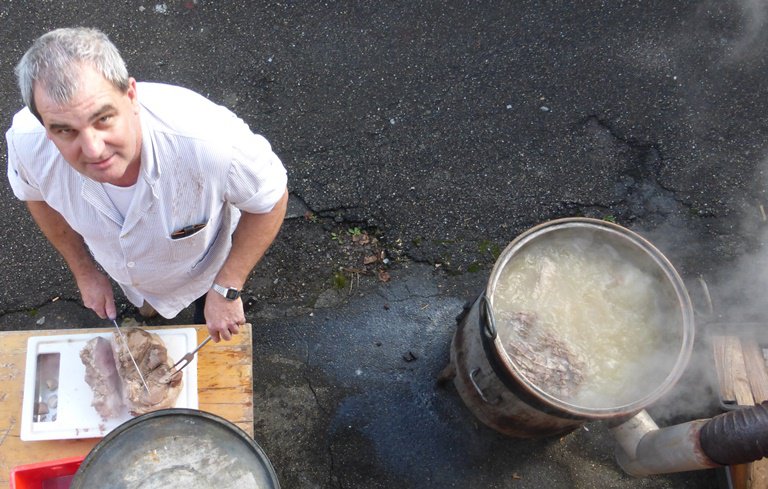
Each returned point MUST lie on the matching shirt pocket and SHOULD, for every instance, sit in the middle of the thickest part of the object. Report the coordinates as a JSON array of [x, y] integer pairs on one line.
[[190, 248]]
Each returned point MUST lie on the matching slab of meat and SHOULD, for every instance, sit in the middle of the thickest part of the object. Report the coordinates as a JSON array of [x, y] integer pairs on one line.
[[101, 375], [546, 361], [151, 355], [115, 382]]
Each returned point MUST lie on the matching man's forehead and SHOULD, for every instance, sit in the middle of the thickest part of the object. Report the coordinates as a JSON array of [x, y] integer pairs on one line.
[[93, 96]]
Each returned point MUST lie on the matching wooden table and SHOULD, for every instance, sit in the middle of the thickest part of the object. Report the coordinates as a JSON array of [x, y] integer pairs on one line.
[[224, 378], [743, 380]]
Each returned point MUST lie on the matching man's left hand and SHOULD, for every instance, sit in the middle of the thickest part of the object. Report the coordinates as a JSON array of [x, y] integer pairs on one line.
[[252, 237], [223, 317]]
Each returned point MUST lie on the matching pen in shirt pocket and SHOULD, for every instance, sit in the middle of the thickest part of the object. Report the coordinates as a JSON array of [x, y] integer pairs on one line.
[[187, 231]]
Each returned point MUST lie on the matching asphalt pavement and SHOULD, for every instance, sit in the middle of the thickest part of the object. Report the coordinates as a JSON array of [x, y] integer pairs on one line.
[[420, 138]]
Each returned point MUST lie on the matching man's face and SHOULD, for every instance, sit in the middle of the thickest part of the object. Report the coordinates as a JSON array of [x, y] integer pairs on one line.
[[98, 130]]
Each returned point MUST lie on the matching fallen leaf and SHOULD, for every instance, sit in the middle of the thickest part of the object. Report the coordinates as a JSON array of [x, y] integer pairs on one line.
[[383, 276]]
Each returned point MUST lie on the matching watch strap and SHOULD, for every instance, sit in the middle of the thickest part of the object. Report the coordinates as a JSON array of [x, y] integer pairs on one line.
[[229, 293]]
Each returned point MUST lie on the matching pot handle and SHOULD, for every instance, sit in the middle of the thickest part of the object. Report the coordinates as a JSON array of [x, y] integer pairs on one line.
[[486, 317], [472, 375]]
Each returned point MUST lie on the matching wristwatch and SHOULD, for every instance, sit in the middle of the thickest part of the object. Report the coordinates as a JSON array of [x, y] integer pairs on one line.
[[228, 292]]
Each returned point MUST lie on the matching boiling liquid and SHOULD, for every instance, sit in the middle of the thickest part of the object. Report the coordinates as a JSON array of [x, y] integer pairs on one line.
[[596, 330]]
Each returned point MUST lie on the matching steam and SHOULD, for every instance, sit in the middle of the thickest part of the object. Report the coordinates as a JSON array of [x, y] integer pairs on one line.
[[729, 296], [754, 14], [728, 300], [749, 21]]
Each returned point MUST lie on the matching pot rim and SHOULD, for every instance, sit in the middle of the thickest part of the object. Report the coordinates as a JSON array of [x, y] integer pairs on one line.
[[642, 244]]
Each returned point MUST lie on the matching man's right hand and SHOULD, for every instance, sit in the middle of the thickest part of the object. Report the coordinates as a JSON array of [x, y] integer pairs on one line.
[[96, 291]]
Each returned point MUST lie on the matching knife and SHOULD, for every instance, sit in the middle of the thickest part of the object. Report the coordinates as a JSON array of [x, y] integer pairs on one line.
[[125, 342]]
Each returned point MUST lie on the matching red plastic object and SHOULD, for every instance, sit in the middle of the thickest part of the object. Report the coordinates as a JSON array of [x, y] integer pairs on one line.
[[56, 474]]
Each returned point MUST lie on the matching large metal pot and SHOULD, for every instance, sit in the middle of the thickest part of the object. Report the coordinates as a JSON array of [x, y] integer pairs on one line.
[[176, 448], [491, 367]]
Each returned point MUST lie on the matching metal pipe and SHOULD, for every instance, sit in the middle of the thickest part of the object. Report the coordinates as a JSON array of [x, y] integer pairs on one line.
[[629, 432], [731, 438], [666, 450]]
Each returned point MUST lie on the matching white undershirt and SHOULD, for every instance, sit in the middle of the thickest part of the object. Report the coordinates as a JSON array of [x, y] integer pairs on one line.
[[120, 196]]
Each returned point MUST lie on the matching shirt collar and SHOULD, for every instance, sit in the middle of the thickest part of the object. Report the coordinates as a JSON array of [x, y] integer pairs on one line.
[[150, 170]]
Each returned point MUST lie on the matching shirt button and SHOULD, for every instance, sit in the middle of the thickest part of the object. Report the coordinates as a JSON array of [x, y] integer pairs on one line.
[[131, 264]]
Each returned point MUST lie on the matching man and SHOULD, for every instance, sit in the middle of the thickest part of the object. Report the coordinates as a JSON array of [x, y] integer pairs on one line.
[[173, 196]]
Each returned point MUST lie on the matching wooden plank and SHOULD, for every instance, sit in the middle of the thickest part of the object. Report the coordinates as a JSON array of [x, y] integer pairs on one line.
[[725, 384], [739, 476], [225, 388], [757, 471], [732, 371], [758, 474], [743, 380], [756, 371], [729, 365]]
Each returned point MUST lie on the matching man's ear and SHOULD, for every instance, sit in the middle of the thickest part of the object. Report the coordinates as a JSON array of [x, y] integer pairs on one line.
[[132, 94]]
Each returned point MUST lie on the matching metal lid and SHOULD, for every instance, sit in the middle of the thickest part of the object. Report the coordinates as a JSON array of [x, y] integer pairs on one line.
[[176, 448]]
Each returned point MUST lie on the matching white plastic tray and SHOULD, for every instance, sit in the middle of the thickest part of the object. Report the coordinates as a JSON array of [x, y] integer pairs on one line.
[[75, 417]]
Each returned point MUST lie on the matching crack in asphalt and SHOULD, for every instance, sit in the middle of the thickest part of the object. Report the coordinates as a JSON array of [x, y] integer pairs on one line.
[[331, 458], [643, 148], [333, 213], [332, 478], [412, 295], [314, 394], [308, 380], [649, 155]]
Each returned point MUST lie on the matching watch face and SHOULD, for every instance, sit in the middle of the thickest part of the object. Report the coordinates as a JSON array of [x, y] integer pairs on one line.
[[232, 294]]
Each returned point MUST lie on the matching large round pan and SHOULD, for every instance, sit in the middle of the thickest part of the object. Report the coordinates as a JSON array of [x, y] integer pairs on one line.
[[173, 448]]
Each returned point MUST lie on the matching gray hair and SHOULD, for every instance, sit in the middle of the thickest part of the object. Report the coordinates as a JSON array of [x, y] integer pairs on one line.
[[56, 58]]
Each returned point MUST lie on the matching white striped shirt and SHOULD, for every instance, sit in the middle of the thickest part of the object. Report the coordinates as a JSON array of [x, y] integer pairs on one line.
[[200, 164]]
